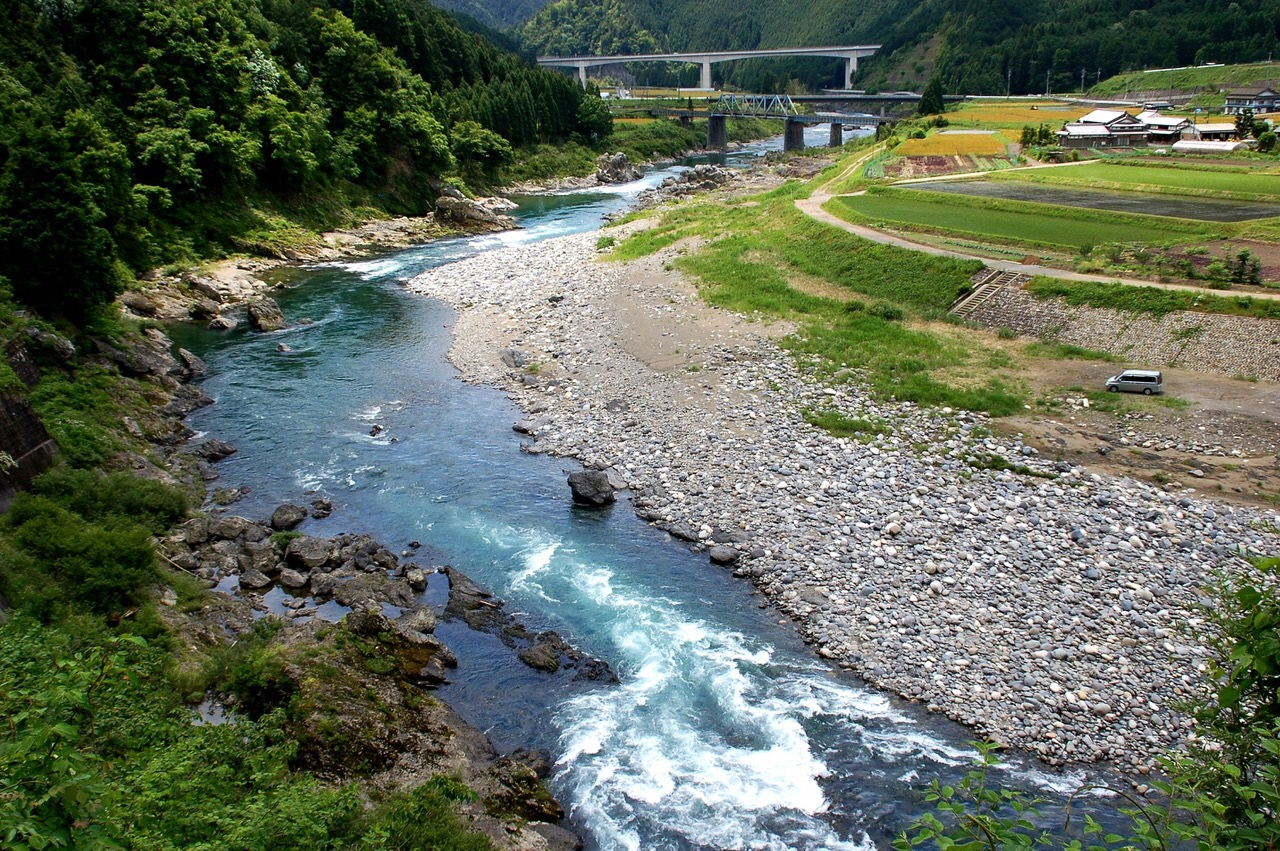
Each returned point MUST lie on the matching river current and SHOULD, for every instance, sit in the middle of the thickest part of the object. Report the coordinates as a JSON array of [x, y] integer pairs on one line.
[[725, 731]]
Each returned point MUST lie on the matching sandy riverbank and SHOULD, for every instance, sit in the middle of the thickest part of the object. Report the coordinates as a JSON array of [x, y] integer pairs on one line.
[[1048, 613]]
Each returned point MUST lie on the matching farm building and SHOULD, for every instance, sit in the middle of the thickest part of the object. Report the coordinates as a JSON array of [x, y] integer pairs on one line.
[[1104, 128], [1163, 129], [1258, 100], [1192, 147], [1221, 132]]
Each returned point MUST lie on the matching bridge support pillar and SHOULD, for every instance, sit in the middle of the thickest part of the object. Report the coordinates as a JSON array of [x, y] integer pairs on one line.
[[704, 80], [718, 133], [582, 75], [850, 68], [837, 134], [793, 136], [686, 121]]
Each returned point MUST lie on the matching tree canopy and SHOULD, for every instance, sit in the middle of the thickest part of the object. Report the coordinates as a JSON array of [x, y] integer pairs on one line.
[[131, 127]]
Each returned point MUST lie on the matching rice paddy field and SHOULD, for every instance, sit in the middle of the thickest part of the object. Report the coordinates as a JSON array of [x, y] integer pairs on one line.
[[1010, 221], [1006, 114], [1253, 185], [953, 144]]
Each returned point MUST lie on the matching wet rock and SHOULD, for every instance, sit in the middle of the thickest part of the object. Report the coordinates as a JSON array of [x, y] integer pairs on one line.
[[255, 579], [186, 399], [292, 579], [213, 449], [321, 507], [140, 303], [591, 487], [308, 552], [616, 168], [265, 315], [721, 554], [193, 366], [287, 516]]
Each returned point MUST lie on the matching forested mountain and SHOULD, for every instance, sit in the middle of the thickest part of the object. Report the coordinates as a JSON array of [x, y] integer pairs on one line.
[[499, 14], [133, 132], [976, 45]]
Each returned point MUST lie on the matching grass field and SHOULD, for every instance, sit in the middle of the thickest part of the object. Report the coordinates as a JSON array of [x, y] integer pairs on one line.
[[953, 144], [1010, 221], [1220, 183], [760, 260]]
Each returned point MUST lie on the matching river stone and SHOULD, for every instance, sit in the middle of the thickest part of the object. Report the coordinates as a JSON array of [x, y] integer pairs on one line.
[[591, 487], [287, 516], [291, 578], [214, 449], [254, 579], [265, 315], [308, 552], [321, 507], [229, 528], [721, 554]]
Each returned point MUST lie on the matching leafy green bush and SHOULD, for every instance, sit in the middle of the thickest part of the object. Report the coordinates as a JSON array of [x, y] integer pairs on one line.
[[53, 560], [423, 818], [114, 497]]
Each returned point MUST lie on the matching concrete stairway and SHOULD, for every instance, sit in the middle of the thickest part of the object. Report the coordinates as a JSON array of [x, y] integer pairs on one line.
[[987, 284]]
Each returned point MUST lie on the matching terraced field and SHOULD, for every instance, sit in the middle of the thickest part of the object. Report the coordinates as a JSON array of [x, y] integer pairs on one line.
[[1012, 221], [1253, 185]]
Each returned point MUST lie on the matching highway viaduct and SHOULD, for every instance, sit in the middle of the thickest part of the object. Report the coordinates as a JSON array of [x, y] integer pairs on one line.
[[849, 53]]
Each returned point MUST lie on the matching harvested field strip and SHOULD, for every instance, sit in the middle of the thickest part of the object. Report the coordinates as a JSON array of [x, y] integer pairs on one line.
[[1036, 224], [953, 144], [1180, 181]]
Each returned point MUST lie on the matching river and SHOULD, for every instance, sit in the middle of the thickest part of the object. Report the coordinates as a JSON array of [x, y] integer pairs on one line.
[[725, 732]]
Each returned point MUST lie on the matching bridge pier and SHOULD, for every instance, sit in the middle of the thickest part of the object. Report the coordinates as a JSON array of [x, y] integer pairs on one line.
[[718, 133], [850, 68], [837, 134], [704, 80], [582, 74], [793, 136], [686, 121]]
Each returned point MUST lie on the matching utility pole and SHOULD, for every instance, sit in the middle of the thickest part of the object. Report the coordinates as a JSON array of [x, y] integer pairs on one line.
[[1008, 81], [1081, 81], [1047, 72]]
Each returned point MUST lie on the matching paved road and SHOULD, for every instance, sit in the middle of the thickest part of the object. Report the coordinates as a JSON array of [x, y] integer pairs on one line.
[[813, 207]]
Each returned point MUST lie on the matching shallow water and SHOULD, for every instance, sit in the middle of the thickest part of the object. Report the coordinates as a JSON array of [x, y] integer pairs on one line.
[[1201, 209], [725, 731]]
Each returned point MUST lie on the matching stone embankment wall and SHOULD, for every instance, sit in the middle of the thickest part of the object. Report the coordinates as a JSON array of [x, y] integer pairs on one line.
[[1231, 345]]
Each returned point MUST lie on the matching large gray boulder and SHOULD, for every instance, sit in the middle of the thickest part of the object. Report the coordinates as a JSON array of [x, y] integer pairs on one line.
[[266, 315], [458, 209], [616, 168], [287, 516], [308, 552], [591, 487]]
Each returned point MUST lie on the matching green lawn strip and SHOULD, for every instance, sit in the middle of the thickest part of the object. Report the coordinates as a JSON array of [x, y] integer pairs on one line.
[[1025, 222], [744, 267], [1206, 183], [1151, 300]]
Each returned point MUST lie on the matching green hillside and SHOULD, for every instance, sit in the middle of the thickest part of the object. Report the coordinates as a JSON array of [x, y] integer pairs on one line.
[[976, 45], [139, 132]]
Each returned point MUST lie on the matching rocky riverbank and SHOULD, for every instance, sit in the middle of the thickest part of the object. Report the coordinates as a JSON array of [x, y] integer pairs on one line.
[[216, 292], [352, 641], [1049, 607]]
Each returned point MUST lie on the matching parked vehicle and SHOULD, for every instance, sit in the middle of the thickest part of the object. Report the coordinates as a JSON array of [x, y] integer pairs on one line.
[[1144, 381]]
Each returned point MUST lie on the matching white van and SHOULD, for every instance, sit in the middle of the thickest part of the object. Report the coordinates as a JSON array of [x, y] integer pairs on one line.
[[1144, 381]]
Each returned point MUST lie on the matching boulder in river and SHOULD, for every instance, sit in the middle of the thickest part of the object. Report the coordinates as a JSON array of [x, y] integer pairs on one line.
[[616, 168], [266, 315], [591, 487], [287, 516]]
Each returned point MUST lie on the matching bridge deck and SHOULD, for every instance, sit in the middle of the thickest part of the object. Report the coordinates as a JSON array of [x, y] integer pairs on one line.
[[859, 120]]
